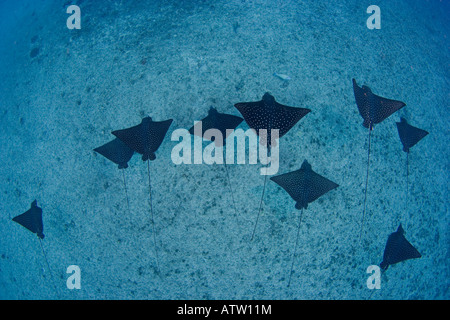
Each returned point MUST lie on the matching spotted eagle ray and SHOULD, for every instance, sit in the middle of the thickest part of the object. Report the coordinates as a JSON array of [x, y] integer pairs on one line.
[[409, 136], [145, 139], [224, 123], [263, 117], [32, 220], [304, 186], [373, 109], [398, 249]]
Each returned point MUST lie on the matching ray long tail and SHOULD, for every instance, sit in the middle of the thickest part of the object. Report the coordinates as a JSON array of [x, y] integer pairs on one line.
[[126, 190], [49, 269], [153, 220], [365, 190], [262, 197], [295, 247], [260, 206], [231, 190], [407, 181]]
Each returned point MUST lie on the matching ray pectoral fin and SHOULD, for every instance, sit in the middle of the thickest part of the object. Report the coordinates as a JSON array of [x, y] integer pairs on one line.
[[247, 108], [361, 98], [117, 152], [158, 131], [385, 107], [319, 186], [408, 250], [131, 137], [25, 220], [291, 182], [289, 116]]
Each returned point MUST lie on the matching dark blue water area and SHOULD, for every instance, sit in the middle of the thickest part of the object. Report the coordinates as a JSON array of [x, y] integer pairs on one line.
[[63, 91]]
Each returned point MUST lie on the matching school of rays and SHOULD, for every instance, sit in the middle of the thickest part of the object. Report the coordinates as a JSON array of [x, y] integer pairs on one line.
[[304, 185]]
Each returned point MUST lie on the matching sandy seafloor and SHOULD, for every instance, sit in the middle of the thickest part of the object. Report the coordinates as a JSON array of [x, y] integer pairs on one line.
[[175, 59]]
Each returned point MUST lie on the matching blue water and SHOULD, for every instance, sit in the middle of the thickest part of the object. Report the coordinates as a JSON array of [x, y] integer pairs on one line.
[[63, 92]]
